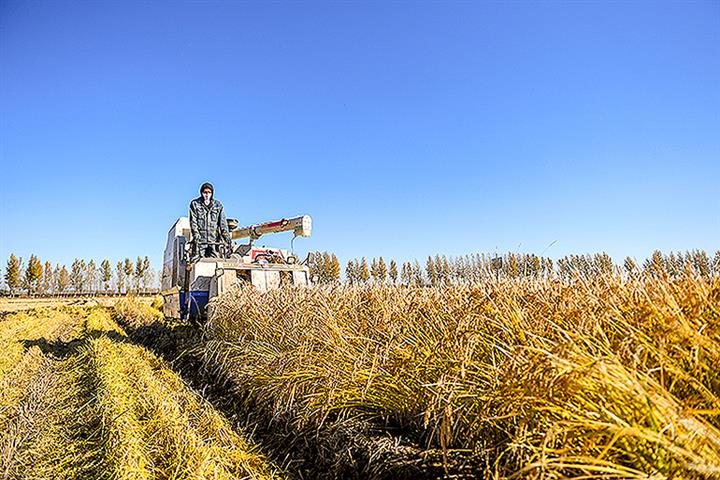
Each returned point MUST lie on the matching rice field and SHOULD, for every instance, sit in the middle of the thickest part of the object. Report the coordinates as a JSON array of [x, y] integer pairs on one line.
[[609, 378], [605, 378]]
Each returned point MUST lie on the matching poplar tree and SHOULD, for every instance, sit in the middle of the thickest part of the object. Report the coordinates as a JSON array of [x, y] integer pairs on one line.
[[701, 262], [438, 270], [55, 276], [12, 272], [564, 268], [322, 267], [77, 272], [406, 274], [63, 280], [417, 273], [655, 265], [47, 279], [350, 272], [147, 272], [445, 270], [364, 273], [327, 267], [120, 273], [334, 268], [138, 272], [431, 271], [128, 269], [33, 273], [105, 274], [91, 275], [382, 270], [603, 263]]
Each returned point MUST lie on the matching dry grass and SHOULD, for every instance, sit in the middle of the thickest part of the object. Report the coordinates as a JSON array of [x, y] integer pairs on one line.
[[604, 379]]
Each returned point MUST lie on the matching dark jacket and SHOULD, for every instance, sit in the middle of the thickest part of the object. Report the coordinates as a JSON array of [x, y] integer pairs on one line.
[[208, 224]]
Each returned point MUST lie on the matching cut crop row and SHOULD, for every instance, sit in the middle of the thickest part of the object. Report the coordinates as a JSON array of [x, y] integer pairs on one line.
[[93, 405]]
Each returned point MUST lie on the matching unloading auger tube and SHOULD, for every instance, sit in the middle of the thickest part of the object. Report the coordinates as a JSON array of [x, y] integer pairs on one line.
[[301, 226]]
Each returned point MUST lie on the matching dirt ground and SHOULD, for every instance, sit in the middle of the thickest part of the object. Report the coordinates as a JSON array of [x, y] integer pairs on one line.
[[19, 304]]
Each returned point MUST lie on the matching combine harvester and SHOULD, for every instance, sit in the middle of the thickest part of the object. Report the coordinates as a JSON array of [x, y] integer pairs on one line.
[[189, 283]]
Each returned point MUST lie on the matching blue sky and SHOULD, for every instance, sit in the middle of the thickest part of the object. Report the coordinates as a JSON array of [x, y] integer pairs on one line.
[[403, 128]]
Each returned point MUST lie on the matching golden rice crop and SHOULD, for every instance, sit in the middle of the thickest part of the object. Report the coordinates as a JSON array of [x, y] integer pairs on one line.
[[609, 378], [135, 313]]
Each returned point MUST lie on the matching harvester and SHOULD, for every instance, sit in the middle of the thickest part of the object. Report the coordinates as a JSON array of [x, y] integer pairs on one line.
[[189, 282]]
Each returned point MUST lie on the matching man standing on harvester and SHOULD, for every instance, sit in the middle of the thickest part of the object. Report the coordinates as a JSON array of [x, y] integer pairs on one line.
[[208, 224]]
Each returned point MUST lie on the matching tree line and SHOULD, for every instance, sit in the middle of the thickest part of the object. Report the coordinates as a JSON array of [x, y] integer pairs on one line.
[[125, 276], [37, 277], [475, 268]]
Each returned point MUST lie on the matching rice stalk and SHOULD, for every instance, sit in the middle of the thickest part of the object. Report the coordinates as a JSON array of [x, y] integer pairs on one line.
[[532, 376]]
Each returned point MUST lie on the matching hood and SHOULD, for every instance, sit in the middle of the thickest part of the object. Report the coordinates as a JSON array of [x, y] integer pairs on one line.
[[207, 185]]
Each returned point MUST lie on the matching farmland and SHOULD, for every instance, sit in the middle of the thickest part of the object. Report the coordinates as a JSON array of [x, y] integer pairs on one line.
[[79, 400], [15, 304], [606, 377]]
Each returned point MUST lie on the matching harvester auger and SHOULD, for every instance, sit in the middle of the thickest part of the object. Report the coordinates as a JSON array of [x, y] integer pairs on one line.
[[189, 283]]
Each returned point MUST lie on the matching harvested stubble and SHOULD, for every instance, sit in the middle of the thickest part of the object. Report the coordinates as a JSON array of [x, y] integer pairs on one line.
[[613, 378], [23, 336], [36, 327], [97, 406], [155, 427], [26, 342]]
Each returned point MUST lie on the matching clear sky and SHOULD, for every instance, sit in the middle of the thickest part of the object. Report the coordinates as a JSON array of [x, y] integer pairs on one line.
[[403, 128]]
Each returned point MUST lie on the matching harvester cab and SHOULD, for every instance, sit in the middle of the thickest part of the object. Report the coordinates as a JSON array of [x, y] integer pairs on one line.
[[189, 283]]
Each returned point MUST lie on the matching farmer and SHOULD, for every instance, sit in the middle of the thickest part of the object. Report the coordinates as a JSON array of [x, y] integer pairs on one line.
[[208, 224]]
